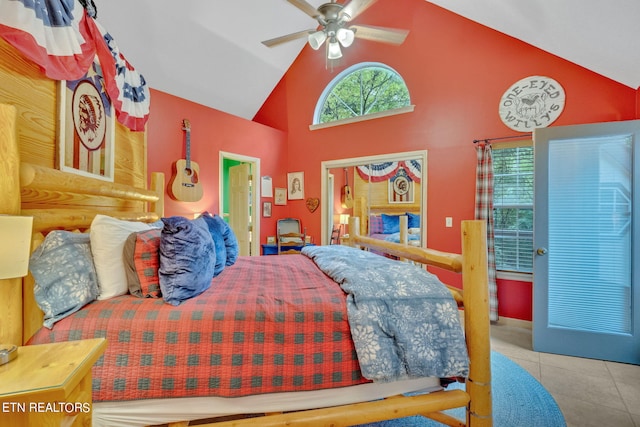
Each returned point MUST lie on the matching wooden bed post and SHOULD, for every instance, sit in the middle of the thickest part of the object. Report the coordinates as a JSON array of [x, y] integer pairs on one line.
[[354, 228], [157, 185], [10, 289], [477, 326]]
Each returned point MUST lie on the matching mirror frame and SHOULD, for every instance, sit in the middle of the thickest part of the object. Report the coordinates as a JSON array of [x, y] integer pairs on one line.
[[327, 165]]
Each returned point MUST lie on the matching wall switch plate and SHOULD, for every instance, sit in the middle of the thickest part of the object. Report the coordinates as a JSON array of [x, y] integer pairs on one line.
[[448, 221]]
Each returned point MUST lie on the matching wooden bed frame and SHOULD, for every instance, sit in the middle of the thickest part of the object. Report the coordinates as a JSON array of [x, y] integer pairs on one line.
[[60, 200], [362, 210]]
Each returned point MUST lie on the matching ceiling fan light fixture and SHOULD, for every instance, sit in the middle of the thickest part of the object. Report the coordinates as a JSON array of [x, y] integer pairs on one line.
[[317, 39], [333, 51], [345, 36]]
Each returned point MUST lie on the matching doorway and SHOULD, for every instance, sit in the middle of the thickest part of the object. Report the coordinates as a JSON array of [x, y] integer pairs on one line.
[[243, 192]]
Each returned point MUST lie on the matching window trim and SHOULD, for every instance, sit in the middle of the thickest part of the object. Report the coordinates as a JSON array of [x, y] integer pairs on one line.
[[511, 274], [514, 275], [372, 116], [336, 81]]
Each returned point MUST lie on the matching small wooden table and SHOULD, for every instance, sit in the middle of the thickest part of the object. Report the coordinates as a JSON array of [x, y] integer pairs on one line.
[[49, 384]]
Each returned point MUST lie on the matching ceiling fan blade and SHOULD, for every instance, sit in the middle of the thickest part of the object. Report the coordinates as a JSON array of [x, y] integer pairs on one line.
[[305, 7], [356, 7], [380, 34], [287, 38]]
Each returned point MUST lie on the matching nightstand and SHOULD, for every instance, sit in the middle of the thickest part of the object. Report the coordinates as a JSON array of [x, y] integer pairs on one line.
[[273, 249], [49, 384], [344, 240]]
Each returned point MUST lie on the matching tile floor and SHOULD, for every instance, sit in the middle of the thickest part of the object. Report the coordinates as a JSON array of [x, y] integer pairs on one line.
[[589, 392]]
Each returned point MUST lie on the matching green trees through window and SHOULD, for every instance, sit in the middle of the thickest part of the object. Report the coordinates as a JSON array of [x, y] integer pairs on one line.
[[362, 89], [513, 208]]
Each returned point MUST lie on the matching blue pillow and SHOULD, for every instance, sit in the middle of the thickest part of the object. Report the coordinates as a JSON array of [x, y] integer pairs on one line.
[[414, 220], [217, 233], [187, 259], [230, 240], [390, 223], [65, 276]]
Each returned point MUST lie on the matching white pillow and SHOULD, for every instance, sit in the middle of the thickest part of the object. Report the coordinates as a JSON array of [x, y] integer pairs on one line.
[[108, 236], [414, 230]]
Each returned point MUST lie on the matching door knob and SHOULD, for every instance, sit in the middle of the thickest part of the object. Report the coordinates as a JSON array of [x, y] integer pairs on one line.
[[541, 251]]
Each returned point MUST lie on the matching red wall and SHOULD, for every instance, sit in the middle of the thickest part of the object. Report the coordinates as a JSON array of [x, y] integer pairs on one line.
[[212, 131], [456, 72]]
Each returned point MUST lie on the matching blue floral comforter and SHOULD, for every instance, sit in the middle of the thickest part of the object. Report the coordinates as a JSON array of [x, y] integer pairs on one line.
[[395, 237], [404, 321]]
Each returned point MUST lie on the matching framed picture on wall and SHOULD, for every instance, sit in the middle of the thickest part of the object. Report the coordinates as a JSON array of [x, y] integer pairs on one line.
[[266, 209], [86, 128], [280, 196], [296, 185], [401, 188]]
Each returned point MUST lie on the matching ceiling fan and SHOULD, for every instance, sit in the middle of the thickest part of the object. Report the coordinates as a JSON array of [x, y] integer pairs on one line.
[[333, 18]]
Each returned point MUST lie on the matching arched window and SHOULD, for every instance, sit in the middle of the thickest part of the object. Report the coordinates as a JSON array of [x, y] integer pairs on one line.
[[362, 89]]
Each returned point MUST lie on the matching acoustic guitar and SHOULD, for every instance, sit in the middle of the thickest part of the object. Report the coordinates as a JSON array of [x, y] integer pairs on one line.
[[185, 183], [346, 196]]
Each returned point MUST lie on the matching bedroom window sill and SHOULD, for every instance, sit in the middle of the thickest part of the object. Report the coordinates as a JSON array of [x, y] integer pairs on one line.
[[511, 275], [388, 113]]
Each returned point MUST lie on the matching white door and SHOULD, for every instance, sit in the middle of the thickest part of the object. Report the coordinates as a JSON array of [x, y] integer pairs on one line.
[[587, 252], [329, 205], [240, 206]]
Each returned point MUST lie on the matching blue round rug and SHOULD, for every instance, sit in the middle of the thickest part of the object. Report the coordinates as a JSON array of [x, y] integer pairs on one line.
[[519, 400]]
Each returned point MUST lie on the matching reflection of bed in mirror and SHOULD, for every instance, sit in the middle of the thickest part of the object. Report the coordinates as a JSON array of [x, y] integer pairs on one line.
[[384, 194], [388, 189], [389, 223]]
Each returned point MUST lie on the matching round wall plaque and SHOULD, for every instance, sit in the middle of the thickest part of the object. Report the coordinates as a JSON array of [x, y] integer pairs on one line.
[[89, 115], [533, 102]]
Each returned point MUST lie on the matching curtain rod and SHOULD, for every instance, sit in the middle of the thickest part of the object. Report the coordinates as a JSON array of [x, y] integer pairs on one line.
[[486, 140]]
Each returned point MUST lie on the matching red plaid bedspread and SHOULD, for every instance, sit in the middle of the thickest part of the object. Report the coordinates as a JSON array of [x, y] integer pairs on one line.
[[262, 327]]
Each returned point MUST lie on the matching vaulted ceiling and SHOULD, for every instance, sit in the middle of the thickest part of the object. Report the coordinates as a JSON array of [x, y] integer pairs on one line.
[[210, 52]]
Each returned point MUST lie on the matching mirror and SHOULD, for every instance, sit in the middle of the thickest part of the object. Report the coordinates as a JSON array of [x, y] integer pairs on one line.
[[370, 187]]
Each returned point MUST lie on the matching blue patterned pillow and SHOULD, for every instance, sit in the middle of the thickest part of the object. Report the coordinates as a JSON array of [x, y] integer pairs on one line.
[[390, 223], [414, 220], [65, 276], [187, 259]]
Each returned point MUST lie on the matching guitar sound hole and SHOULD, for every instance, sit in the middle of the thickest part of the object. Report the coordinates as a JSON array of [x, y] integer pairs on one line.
[[191, 174]]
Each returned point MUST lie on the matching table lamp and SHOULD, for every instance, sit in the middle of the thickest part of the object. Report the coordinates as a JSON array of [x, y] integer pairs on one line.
[[344, 221], [15, 235]]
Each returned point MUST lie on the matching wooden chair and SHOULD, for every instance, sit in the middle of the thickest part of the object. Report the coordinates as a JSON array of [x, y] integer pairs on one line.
[[289, 237], [335, 235]]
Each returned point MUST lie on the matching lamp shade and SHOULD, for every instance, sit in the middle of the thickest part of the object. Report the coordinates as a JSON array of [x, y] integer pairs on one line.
[[334, 51], [344, 219], [345, 36], [15, 235], [316, 39]]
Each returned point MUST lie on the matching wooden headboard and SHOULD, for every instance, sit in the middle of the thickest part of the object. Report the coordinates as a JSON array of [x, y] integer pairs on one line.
[[56, 200], [31, 184]]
